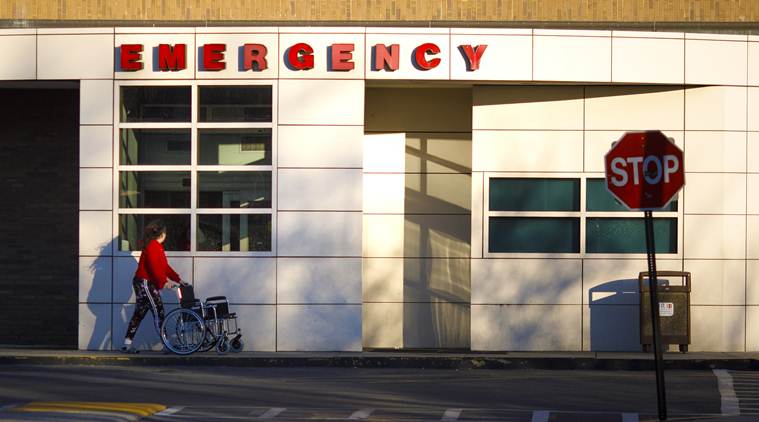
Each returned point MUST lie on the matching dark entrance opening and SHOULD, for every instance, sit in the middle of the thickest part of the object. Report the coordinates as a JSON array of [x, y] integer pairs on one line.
[[39, 209]]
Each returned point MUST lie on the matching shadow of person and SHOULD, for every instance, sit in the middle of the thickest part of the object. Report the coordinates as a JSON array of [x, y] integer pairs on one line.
[[100, 297]]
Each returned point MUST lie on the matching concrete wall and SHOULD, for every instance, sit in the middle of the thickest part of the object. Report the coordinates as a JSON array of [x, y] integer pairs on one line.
[[417, 161], [387, 11]]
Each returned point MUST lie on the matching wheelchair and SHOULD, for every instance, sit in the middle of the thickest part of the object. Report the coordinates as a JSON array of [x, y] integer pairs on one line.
[[201, 326]]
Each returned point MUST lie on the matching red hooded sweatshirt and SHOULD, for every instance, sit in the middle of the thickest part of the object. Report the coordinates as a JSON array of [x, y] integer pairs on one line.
[[154, 267]]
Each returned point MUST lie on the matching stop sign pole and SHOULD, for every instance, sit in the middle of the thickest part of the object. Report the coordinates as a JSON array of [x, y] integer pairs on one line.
[[644, 171]]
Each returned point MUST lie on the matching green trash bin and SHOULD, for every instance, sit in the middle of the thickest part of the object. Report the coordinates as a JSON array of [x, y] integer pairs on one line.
[[674, 310]]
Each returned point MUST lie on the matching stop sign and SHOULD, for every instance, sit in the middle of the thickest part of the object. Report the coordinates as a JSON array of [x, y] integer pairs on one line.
[[644, 170]]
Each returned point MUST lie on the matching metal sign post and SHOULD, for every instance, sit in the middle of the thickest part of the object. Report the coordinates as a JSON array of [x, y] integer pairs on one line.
[[661, 396]]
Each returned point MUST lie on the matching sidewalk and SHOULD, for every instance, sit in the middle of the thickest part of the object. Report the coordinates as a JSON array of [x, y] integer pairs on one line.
[[392, 359]]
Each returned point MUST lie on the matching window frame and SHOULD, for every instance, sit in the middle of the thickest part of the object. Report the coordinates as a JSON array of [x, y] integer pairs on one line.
[[194, 125], [582, 214]]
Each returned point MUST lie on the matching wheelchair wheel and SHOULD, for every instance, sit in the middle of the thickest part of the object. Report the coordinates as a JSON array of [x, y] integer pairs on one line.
[[182, 331], [223, 346], [236, 345], [209, 341]]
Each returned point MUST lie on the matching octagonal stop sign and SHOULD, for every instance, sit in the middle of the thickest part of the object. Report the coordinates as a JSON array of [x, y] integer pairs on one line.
[[644, 170]]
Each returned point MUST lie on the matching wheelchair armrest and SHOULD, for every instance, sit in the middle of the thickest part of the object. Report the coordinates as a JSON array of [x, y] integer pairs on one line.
[[212, 298]]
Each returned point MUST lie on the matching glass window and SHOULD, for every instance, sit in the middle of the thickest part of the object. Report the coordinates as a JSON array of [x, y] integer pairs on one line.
[[534, 235], [234, 189], [234, 232], [599, 199], [531, 194], [155, 104], [235, 104], [155, 146], [234, 147], [154, 189], [627, 235], [131, 228]]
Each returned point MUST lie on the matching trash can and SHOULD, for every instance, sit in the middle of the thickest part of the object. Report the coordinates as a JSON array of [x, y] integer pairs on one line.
[[674, 310]]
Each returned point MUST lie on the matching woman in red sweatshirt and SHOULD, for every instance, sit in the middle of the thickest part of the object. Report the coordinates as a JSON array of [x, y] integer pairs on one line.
[[153, 272]]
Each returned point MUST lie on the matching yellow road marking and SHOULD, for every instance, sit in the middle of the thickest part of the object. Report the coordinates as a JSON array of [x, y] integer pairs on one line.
[[139, 409]]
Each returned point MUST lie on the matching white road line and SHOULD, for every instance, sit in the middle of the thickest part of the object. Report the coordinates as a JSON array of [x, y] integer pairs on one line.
[[272, 413], [170, 411], [629, 417], [451, 415], [540, 416], [360, 414], [730, 404], [8, 406]]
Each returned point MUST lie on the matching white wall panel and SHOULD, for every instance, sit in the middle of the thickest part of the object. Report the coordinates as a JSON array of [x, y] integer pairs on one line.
[[436, 152], [752, 234], [752, 152], [318, 280], [382, 280], [436, 325], [319, 189], [408, 109], [528, 107], [95, 228], [18, 60], [259, 327], [96, 146], [125, 267], [715, 236], [95, 326], [96, 102], [321, 44], [753, 63], [718, 328], [526, 327], [553, 151], [75, 56], [752, 201], [715, 193], [752, 282], [320, 146], [717, 282], [319, 328], [241, 280], [438, 194], [715, 152], [383, 236], [507, 57], [715, 62], [752, 328], [598, 143], [95, 189], [615, 281], [321, 102], [150, 55], [527, 281], [384, 193], [436, 236], [95, 279], [565, 58], [408, 43], [633, 108], [611, 328], [319, 233], [382, 325], [438, 280], [477, 215], [233, 55], [715, 108], [753, 109], [385, 152], [648, 60]]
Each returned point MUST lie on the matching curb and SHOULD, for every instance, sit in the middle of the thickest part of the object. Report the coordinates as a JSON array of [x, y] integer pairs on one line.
[[399, 362]]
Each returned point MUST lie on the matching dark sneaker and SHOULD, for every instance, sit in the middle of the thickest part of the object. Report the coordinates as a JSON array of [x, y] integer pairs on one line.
[[129, 350]]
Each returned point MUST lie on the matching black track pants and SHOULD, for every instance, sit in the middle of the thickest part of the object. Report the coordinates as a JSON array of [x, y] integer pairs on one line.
[[147, 298]]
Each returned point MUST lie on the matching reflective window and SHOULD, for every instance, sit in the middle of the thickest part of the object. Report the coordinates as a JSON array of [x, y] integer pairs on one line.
[[154, 189], [234, 232], [155, 104], [532, 194], [628, 235], [131, 229], [234, 147], [534, 235], [155, 146], [234, 189], [237, 103], [598, 198]]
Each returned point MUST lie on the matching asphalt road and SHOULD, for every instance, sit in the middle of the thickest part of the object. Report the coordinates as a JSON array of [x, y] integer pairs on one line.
[[229, 394]]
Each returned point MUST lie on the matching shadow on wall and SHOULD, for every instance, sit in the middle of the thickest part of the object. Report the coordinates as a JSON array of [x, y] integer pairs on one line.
[[100, 295], [614, 323]]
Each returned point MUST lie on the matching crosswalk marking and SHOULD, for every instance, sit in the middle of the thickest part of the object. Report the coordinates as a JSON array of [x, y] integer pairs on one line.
[[360, 414], [170, 411], [451, 415], [540, 416], [729, 405], [272, 413]]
